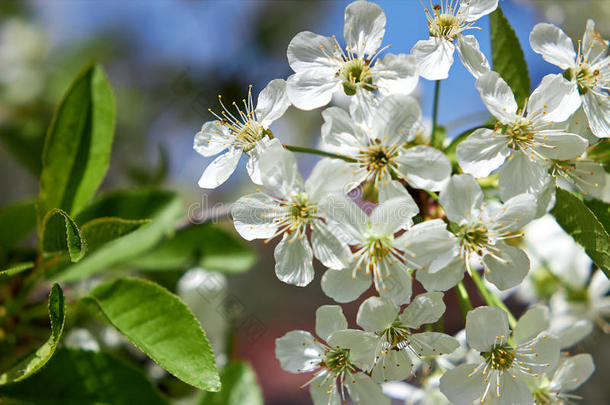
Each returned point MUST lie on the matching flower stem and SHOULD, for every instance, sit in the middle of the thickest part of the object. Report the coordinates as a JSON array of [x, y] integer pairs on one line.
[[463, 299], [437, 88], [490, 298], [318, 152]]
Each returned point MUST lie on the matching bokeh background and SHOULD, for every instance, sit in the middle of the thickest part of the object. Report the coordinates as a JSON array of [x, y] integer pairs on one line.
[[168, 61]]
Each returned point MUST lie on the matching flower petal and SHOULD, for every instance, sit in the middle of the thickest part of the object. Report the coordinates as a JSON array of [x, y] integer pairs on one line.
[[342, 287], [572, 372], [482, 152], [522, 174], [461, 198], [443, 279], [376, 314], [253, 165], [390, 215], [397, 287], [341, 134], [559, 145], [312, 88], [546, 348], [344, 218], [486, 326], [513, 391], [534, 321], [429, 244], [392, 365], [272, 102], [329, 176], [253, 216], [308, 50], [497, 96], [554, 100], [424, 167], [293, 258], [597, 108], [461, 385], [395, 119], [361, 346], [593, 44], [364, 27], [279, 171], [298, 352], [363, 390], [212, 139], [515, 213], [329, 319], [331, 251], [506, 268], [434, 58], [425, 308], [553, 44], [473, 59], [396, 74], [320, 392], [220, 169], [433, 344], [474, 9]]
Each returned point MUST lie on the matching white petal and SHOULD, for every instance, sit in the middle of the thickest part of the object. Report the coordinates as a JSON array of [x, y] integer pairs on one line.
[[376, 314], [253, 165], [311, 51], [554, 100], [545, 198], [546, 347], [429, 244], [272, 102], [572, 331], [443, 279], [462, 386], [363, 390], [516, 213], [220, 169], [361, 346], [572, 372], [424, 167], [485, 327], [393, 365], [344, 218], [471, 56], [312, 88], [396, 74], [589, 177], [553, 44], [395, 119], [329, 176], [425, 308], [341, 134], [559, 144], [320, 392], [253, 216], [597, 108], [364, 27], [342, 287], [212, 139], [497, 96], [482, 152], [393, 189], [593, 44], [331, 251], [279, 171], [599, 286], [461, 198], [434, 58], [522, 175], [398, 286], [298, 352], [513, 391], [329, 319], [389, 216], [433, 344], [534, 321], [507, 268], [474, 9], [293, 261]]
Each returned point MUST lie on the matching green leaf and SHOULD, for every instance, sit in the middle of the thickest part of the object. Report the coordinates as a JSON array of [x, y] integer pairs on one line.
[[208, 246], [100, 231], [15, 269], [239, 387], [601, 210], [31, 363], [77, 148], [578, 221], [76, 377], [160, 325], [20, 219], [61, 235], [163, 208], [600, 152], [507, 56]]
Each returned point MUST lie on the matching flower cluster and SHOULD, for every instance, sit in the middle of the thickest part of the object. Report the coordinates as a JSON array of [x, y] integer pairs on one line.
[[437, 217]]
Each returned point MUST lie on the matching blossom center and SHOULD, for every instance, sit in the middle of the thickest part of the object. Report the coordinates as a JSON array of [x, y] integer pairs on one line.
[[337, 361], [520, 134], [301, 211], [542, 397], [474, 238], [585, 77], [444, 25], [396, 336], [248, 134], [378, 161], [500, 357], [356, 73]]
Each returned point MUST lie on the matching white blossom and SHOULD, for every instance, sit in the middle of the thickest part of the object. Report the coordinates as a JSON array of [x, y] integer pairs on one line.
[[446, 23], [570, 374], [507, 361], [247, 130], [323, 67], [586, 69], [530, 139]]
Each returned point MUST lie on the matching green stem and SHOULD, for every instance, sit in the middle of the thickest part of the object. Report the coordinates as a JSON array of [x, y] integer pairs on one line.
[[432, 194], [490, 298], [313, 151], [437, 88], [463, 300]]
